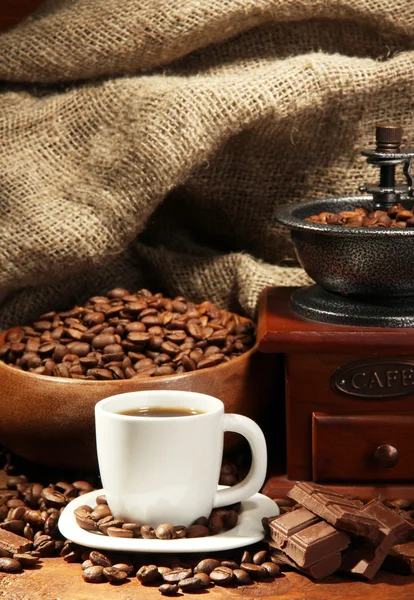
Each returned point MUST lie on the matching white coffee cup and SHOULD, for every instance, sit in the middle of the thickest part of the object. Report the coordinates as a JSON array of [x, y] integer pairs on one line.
[[166, 469]]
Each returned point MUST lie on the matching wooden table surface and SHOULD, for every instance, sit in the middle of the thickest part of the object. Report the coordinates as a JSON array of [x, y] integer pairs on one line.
[[57, 580]]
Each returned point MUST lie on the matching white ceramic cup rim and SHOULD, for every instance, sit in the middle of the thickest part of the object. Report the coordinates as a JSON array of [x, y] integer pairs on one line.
[[159, 398]]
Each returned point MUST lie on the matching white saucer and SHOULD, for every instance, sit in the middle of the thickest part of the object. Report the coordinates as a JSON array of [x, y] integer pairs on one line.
[[248, 530]]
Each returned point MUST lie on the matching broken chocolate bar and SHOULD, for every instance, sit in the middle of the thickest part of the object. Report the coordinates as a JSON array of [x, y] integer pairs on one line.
[[401, 528], [400, 559], [305, 538], [339, 511], [318, 570], [365, 558], [10, 543]]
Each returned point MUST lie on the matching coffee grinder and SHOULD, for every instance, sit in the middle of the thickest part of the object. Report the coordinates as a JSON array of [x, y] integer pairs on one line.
[[348, 341]]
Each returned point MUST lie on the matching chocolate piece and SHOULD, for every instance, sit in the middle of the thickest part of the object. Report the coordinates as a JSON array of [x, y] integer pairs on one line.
[[400, 559], [304, 537], [10, 543], [283, 526], [318, 570], [401, 528], [339, 511], [365, 558], [312, 544]]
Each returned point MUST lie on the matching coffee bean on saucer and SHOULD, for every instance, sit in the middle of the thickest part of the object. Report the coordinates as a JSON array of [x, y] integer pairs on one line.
[[119, 532], [148, 532], [165, 531], [197, 531]]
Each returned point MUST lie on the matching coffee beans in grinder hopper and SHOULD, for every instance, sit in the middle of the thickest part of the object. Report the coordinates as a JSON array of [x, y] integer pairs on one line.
[[127, 335], [396, 217]]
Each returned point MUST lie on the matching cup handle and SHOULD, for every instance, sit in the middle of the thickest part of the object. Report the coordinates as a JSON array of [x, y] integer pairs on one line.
[[254, 480]]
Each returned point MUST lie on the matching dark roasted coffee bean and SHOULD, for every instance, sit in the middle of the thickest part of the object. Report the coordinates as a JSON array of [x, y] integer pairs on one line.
[[272, 569], [222, 576], [165, 531], [9, 565], [114, 575], [148, 574], [215, 523], [207, 565], [168, 589], [177, 575], [93, 574], [204, 578], [242, 577], [98, 558], [86, 564], [106, 522], [255, 571], [148, 532], [126, 568], [53, 498], [231, 564], [260, 557], [197, 531], [16, 527], [100, 511], [180, 531], [190, 584], [119, 532], [26, 560]]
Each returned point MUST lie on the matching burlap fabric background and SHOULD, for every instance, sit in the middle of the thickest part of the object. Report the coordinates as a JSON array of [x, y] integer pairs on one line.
[[148, 142]]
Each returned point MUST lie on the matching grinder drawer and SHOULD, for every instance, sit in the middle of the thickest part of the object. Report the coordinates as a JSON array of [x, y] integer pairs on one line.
[[362, 447]]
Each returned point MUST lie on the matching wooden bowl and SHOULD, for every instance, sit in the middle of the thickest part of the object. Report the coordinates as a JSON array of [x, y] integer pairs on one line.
[[50, 420]]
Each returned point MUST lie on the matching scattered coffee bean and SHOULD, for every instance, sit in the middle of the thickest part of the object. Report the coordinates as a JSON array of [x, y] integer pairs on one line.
[[222, 576], [97, 558], [190, 584], [168, 589], [147, 574], [9, 565], [259, 557], [93, 574], [114, 575], [255, 571], [204, 578], [207, 565], [242, 577], [272, 569], [176, 575]]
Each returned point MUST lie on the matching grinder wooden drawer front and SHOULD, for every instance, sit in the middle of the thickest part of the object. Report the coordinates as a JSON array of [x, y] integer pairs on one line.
[[362, 447]]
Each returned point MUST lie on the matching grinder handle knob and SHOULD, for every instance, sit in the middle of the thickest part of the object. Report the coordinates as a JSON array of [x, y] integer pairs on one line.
[[386, 456]]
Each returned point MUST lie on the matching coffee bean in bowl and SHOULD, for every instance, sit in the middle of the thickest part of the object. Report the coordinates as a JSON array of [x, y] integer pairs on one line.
[[54, 370]]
